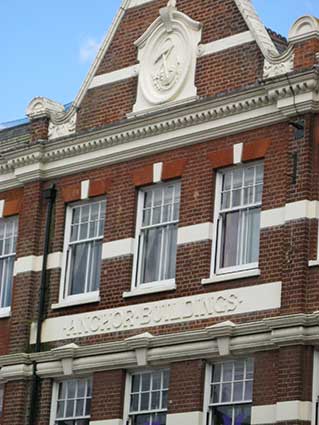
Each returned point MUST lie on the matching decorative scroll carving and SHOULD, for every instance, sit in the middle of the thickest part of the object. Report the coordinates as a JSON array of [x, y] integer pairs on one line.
[[167, 55]]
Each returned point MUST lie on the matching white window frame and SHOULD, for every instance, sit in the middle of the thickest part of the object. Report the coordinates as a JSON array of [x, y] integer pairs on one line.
[[5, 311], [240, 270], [127, 393], [160, 285], [93, 296], [55, 393], [207, 388]]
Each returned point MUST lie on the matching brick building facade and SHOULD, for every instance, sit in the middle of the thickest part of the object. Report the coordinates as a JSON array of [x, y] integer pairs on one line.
[[159, 237]]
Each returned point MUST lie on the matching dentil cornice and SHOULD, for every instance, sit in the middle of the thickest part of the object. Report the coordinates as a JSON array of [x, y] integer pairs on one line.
[[271, 102]]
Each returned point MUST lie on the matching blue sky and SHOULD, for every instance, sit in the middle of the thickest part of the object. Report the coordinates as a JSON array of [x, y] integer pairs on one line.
[[47, 47]]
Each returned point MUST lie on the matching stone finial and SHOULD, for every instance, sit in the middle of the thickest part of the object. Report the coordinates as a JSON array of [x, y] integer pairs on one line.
[[171, 3], [41, 107], [304, 28]]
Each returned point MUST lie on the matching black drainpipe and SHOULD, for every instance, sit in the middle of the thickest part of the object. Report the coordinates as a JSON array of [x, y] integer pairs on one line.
[[49, 195]]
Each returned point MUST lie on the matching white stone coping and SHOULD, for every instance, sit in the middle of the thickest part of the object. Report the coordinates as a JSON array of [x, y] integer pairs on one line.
[[75, 300], [231, 276], [294, 410], [156, 287]]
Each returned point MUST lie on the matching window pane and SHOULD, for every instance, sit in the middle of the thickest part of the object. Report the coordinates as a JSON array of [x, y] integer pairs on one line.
[[159, 419], [226, 393], [228, 372], [155, 402], [6, 270], [146, 381], [217, 373], [95, 266], [238, 391], [216, 393], [156, 383], [152, 239], [60, 410], [239, 370], [222, 415], [249, 390], [242, 415], [145, 401], [134, 403], [164, 399], [230, 235], [135, 383], [169, 254], [78, 257], [70, 409], [252, 235]]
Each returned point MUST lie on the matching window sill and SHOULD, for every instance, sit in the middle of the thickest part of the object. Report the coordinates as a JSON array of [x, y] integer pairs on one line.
[[313, 263], [94, 297], [5, 312], [231, 276], [165, 285]]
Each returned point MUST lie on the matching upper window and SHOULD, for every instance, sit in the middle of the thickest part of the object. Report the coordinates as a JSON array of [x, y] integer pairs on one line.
[[238, 207], [84, 239], [72, 402], [148, 398], [157, 223], [231, 390], [8, 241]]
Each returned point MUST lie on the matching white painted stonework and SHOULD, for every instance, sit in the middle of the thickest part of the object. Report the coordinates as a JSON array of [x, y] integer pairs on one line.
[[292, 211], [195, 233], [108, 422], [188, 418], [64, 128], [118, 248], [85, 187], [167, 53], [225, 43], [283, 411], [166, 312], [34, 264], [136, 3], [115, 76], [1, 208]]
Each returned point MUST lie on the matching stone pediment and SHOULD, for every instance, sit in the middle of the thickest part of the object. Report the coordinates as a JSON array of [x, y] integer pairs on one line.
[[167, 53]]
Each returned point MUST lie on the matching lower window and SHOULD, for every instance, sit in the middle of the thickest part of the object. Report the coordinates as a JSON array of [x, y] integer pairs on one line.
[[148, 398], [231, 389], [73, 402]]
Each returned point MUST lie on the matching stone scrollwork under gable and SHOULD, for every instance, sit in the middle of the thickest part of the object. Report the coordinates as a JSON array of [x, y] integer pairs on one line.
[[62, 123]]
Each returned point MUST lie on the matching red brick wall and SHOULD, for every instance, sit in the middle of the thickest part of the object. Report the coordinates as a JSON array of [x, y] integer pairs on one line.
[[186, 388], [108, 395], [16, 403]]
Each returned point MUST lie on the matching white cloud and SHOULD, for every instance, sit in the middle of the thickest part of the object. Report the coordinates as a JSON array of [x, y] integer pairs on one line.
[[89, 49]]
